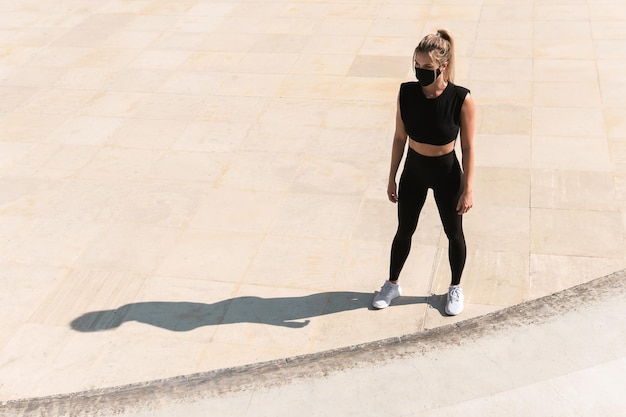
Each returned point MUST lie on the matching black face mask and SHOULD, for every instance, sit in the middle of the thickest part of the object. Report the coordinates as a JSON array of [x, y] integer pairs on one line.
[[427, 77]]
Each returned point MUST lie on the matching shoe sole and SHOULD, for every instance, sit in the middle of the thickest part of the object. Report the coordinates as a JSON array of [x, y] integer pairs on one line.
[[380, 308], [453, 314]]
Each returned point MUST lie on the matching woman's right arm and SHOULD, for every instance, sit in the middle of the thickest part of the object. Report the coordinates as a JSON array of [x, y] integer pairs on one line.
[[397, 151]]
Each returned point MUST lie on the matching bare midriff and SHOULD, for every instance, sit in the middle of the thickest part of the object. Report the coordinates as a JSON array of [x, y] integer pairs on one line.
[[431, 150]]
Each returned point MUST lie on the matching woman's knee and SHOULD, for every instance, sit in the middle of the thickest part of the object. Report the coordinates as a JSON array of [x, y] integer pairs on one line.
[[454, 233], [405, 233]]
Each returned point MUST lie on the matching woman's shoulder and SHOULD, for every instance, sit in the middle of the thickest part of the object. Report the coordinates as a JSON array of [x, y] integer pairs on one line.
[[409, 85], [460, 90], [409, 90]]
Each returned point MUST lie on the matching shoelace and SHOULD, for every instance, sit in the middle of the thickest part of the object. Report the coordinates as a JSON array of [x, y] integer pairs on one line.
[[455, 294], [386, 287]]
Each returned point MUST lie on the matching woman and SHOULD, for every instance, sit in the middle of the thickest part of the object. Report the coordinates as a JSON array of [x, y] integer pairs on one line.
[[431, 113]]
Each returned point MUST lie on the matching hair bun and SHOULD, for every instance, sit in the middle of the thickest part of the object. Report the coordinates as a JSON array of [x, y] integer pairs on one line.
[[442, 33]]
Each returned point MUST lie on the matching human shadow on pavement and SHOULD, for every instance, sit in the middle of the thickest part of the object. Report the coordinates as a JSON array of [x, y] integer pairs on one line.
[[438, 302], [292, 312]]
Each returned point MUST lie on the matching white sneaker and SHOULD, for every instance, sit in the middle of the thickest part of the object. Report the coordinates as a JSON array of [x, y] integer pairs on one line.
[[454, 304], [387, 293]]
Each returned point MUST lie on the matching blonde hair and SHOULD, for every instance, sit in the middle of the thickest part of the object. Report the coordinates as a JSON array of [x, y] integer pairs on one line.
[[440, 47]]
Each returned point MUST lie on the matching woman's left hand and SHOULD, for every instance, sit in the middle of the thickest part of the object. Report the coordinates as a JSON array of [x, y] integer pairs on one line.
[[465, 203]]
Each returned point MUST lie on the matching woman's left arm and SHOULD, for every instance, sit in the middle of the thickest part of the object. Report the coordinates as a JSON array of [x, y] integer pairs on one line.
[[468, 116]]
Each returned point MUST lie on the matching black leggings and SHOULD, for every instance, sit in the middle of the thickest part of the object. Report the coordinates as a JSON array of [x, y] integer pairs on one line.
[[443, 174]]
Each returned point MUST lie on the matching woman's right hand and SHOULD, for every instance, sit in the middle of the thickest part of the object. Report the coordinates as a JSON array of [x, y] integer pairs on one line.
[[392, 192]]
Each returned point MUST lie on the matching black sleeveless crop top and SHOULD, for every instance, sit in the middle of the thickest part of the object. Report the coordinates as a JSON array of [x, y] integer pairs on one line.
[[434, 121]]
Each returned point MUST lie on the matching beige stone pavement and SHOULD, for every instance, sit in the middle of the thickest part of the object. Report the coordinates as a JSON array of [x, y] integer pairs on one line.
[[191, 185]]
